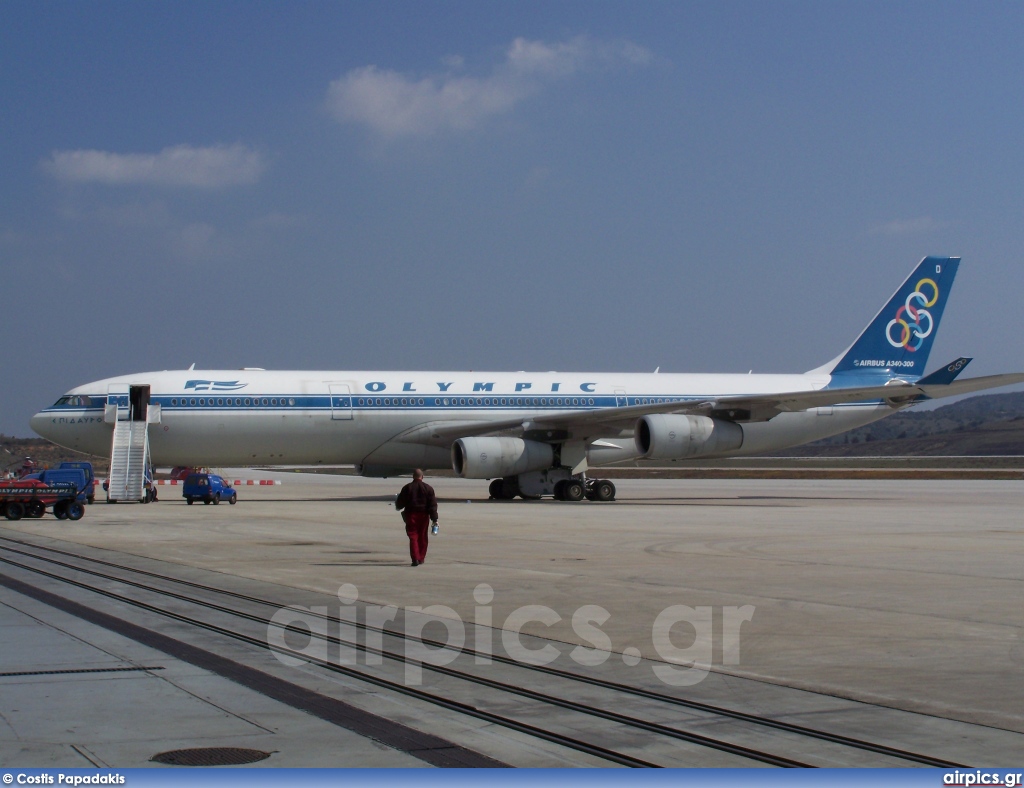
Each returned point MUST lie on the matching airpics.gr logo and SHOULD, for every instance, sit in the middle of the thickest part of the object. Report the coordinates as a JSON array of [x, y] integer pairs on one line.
[[913, 318], [214, 385]]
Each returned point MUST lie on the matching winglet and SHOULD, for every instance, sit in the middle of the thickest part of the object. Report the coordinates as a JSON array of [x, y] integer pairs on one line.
[[945, 375]]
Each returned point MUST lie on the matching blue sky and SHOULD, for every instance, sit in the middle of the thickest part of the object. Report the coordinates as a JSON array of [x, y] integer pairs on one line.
[[462, 185]]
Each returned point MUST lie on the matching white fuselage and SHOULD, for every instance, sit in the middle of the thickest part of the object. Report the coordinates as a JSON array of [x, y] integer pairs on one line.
[[256, 417]]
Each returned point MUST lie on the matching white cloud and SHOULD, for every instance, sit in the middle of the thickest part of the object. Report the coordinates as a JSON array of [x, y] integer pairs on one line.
[[397, 105], [197, 243], [182, 165], [921, 224]]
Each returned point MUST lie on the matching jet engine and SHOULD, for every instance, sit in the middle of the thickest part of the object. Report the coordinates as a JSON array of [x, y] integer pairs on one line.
[[669, 436], [492, 458]]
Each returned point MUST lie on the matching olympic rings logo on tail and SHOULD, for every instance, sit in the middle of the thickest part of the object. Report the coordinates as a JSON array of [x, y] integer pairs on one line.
[[913, 319]]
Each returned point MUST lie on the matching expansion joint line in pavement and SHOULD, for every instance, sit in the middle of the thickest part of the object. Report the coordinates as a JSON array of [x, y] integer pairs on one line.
[[424, 746]]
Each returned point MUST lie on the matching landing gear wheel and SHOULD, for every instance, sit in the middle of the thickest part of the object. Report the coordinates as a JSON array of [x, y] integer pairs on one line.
[[75, 510], [509, 489], [604, 491], [495, 491], [572, 490], [15, 510], [60, 510], [35, 509], [559, 492]]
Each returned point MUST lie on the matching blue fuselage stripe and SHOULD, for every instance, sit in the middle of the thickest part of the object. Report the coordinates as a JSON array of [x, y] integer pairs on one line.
[[171, 404]]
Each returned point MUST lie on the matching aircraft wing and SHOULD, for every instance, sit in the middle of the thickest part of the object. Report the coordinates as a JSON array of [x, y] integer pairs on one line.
[[741, 407], [902, 394]]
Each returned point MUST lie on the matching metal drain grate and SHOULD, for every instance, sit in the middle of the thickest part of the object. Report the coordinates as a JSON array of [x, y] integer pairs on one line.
[[73, 670], [210, 756]]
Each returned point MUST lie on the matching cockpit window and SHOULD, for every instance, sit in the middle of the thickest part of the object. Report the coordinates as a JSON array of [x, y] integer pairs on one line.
[[74, 401]]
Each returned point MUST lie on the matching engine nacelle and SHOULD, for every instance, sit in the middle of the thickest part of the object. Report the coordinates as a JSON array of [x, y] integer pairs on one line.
[[670, 436], [491, 458]]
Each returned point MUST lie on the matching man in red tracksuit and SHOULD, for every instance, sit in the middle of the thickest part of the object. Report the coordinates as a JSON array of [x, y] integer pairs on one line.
[[418, 505]]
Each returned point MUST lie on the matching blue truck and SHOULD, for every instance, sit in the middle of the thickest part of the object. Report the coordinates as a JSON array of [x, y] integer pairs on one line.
[[208, 488], [90, 477]]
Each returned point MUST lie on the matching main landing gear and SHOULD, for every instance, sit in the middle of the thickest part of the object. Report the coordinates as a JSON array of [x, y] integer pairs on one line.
[[573, 488]]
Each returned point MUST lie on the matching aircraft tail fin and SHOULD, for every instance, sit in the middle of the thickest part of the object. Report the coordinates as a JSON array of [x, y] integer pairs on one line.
[[900, 337]]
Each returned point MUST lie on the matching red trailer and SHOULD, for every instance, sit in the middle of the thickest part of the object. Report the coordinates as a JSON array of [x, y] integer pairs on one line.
[[31, 497]]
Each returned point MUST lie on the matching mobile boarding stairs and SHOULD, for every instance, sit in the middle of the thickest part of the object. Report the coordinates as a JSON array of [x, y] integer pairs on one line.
[[128, 408]]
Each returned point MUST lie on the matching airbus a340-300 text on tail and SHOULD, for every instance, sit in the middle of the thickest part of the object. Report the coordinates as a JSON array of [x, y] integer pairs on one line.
[[532, 434]]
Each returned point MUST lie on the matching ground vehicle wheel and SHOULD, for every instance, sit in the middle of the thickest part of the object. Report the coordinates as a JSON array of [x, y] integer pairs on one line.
[[14, 511], [190, 501], [91, 499], [572, 490], [75, 510], [60, 510], [233, 499], [216, 500], [205, 501], [35, 509], [604, 491]]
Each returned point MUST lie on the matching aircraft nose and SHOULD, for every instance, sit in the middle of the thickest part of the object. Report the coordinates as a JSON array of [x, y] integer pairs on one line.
[[42, 425]]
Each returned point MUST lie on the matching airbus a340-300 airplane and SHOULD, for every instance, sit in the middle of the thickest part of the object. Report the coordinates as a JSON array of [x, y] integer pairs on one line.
[[533, 434]]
